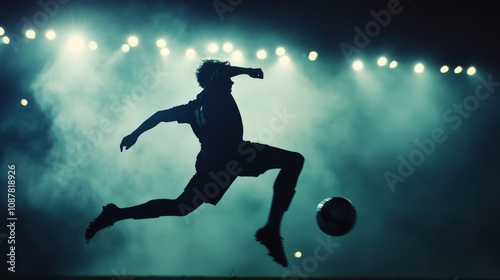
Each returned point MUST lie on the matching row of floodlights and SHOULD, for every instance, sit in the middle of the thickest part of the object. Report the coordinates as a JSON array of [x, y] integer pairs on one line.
[[418, 68], [227, 47], [76, 43]]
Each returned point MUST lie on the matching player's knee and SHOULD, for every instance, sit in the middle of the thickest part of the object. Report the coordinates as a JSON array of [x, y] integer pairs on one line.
[[184, 208], [296, 160], [300, 159]]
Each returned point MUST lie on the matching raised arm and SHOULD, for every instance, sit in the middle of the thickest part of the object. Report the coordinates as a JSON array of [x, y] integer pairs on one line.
[[232, 71], [160, 116], [227, 72]]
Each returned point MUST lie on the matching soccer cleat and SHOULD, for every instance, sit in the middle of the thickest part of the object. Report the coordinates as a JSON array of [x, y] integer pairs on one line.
[[273, 243], [104, 220]]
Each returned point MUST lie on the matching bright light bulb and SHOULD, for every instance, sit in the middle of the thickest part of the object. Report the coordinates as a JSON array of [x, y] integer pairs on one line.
[[133, 41], [227, 47], [50, 34], [164, 52], [313, 56], [161, 43], [357, 65], [30, 34], [93, 45], [280, 51], [261, 54]]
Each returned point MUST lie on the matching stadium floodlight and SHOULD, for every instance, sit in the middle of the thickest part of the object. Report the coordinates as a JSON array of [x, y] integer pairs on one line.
[[393, 64], [382, 61], [280, 51], [93, 45], [75, 44], [6, 40], [213, 47], [419, 68], [357, 65], [471, 71], [190, 53], [313, 56], [458, 70], [161, 43], [50, 34], [133, 41], [24, 102], [261, 54], [164, 51], [125, 48], [444, 69], [30, 34], [284, 60], [237, 55], [227, 47], [2, 31]]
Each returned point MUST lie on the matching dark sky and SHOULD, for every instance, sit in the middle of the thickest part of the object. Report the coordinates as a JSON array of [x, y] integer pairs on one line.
[[355, 129]]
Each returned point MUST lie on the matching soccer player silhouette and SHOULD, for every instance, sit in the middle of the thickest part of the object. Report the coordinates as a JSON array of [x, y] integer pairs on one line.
[[216, 121]]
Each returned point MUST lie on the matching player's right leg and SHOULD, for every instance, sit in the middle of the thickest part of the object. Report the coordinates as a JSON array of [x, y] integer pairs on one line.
[[290, 164], [181, 206]]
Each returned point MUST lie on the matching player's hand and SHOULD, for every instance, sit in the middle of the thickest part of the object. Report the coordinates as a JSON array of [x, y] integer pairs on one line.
[[256, 73], [127, 142]]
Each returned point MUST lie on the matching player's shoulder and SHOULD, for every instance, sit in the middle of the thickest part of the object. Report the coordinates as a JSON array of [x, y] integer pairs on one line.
[[195, 100]]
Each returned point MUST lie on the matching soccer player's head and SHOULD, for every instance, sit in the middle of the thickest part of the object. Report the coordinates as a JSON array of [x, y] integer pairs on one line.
[[206, 69]]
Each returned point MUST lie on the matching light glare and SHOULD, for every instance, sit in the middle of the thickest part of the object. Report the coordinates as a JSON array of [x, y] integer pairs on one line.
[[444, 69], [125, 48], [213, 47], [24, 102], [6, 40], [280, 51], [284, 60], [393, 64], [471, 71], [237, 55], [313, 56], [75, 44], [227, 47], [30, 34], [297, 254], [93, 45], [419, 68], [357, 65], [458, 70], [133, 41], [164, 52], [382, 61], [261, 54], [161, 43], [2, 31], [190, 53], [50, 34]]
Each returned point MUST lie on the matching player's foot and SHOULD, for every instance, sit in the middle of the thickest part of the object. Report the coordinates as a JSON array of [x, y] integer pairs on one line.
[[104, 220], [273, 242]]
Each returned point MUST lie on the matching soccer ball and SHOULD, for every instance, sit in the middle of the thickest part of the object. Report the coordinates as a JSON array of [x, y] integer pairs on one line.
[[335, 216]]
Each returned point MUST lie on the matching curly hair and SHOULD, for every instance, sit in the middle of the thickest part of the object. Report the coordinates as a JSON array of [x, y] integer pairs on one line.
[[206, 69]]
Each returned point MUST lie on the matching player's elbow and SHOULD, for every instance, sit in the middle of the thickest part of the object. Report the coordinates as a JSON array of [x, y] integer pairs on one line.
[[163, 116]]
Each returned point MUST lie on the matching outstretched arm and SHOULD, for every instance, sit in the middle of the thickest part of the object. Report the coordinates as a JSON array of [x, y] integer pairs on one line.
[[160, 116], [232, 71]]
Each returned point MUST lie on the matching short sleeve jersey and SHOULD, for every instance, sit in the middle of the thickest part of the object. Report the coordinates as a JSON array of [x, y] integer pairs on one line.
[[214, 117]]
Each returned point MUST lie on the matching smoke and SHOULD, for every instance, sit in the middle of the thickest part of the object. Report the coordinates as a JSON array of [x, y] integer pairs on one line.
[[353, 128]]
